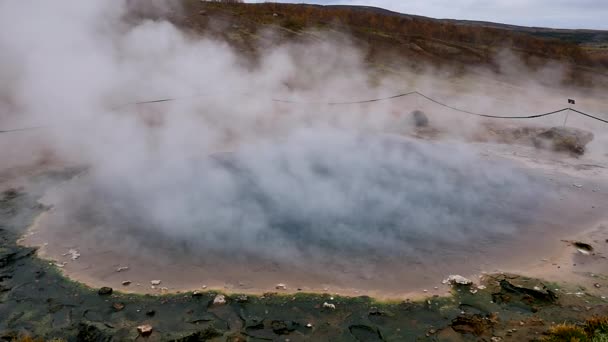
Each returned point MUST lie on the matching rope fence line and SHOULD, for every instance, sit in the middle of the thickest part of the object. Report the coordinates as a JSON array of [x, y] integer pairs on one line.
[[388, 98]]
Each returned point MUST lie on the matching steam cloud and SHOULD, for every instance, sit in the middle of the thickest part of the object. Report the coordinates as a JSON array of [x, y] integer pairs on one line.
[[230, 169]]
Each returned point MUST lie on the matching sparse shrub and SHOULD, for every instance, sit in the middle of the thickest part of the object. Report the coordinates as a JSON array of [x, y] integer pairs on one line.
[[567, 333]]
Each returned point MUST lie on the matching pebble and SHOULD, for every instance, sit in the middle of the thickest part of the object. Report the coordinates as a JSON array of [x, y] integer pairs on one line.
[[126, 283], [155, 282]]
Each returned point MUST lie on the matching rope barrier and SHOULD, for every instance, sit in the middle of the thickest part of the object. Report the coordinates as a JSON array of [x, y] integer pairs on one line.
[[388, 98]]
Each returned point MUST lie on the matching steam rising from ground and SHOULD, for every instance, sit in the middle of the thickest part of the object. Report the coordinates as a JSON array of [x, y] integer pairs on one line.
[[229, 169], [319, 195]]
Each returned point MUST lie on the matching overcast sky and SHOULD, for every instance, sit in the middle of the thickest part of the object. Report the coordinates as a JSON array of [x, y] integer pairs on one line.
[[592, 14]]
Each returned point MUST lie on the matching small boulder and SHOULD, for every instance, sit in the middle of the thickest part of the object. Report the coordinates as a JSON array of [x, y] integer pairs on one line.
[[145, 330], [220, 299], [105, 291], [327, 305]]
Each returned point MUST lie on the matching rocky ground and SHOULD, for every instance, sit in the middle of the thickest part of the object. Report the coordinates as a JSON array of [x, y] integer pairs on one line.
[[36, 300]]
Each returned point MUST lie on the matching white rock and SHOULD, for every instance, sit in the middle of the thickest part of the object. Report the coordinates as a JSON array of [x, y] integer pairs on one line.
[[457, 279], [219, 300], [281, 286], [309, 325], [122, 268], [155, 282], [327, 305]]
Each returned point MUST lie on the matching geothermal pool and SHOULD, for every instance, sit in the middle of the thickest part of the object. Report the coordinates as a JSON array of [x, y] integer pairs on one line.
[[340, 212]]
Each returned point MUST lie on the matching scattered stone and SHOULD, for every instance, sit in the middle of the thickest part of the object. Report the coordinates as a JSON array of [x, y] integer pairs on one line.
[[496, 339], [126, 283], [219, 300], [597, 285], [105, 291], [155, 282], [150, 313], [327, 305], [118, 306], [197, 294], [60, 264], [145, 330], [309, 325], [204, 287], [122, 268], [457, 279], [281, 286]]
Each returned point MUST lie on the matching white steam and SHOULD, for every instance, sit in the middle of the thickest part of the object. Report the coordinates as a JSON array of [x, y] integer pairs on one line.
[[226, 167]]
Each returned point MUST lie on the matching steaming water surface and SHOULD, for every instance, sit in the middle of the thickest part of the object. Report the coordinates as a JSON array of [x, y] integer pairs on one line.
[[336, 210]]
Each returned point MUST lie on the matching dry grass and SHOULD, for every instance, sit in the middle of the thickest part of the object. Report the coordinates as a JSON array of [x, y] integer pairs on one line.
[[594, 329]]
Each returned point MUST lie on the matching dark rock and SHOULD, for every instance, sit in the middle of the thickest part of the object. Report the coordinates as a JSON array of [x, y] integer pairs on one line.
[[583, 246], [420, 119], [373, 311], [105, 291], [201, 336], [565, 139], [150, 313], [365, 333], [283, 327], [90, 332], [547, 296]]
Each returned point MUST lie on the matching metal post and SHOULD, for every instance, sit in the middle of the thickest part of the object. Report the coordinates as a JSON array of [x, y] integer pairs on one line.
[[566, 118]]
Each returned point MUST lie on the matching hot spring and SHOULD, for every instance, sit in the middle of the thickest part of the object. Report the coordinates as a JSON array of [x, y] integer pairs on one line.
[[318, 210]]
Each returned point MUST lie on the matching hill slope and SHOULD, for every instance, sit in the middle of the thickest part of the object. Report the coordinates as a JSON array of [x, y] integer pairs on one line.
[[386, 34]]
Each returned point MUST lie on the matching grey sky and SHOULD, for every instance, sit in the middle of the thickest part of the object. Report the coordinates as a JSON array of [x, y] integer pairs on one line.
[[590, 14]]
